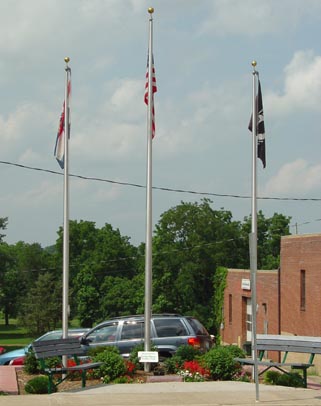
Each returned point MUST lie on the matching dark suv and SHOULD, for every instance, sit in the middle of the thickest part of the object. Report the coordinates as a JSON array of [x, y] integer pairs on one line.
[[168, 332]]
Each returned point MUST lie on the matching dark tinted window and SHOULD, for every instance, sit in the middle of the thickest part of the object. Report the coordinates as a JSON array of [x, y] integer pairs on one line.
[[132, 330], [169, 327], [197, 327]]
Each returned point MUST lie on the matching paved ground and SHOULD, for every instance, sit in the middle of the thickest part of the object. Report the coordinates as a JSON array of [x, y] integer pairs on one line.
[[172, 394]]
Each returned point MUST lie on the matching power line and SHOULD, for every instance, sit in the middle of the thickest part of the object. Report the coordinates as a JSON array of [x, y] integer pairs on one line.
[[165, 189]]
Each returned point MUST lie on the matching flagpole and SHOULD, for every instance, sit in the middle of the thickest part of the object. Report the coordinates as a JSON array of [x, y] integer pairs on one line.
[[65, 288], [148, 248], [253, 234]]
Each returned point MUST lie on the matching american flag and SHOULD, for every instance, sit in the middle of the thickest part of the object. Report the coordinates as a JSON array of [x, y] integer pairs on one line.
[[154, 90]]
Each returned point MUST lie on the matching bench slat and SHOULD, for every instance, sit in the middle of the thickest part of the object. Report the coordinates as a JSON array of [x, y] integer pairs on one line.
[[64, 346]]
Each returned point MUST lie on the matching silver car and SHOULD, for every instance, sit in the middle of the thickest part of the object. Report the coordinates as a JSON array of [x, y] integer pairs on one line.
[[168, 332]]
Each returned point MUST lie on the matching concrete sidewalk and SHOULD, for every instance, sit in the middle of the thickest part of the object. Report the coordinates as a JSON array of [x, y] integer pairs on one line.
[[172, 394]]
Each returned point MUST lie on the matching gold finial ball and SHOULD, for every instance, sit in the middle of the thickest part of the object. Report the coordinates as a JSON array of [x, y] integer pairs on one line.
[[67, 59], [254, 63], [151, 10]]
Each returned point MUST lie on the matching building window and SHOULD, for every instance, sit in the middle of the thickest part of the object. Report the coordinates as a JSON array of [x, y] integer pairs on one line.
[[302, 290], [230, 309]]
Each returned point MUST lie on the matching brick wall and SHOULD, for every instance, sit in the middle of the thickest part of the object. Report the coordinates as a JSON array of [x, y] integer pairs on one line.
[[301, 254], [234, 330]]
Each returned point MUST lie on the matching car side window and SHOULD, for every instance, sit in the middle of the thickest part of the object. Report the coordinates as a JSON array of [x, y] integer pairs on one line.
[[132, 330], [169, 327], [104, 333], [198, 328]]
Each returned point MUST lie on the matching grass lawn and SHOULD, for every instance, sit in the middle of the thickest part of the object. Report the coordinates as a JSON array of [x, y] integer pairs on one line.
[[13, 335]]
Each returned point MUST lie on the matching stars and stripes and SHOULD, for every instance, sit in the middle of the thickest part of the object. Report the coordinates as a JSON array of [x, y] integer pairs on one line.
[[154, 90]]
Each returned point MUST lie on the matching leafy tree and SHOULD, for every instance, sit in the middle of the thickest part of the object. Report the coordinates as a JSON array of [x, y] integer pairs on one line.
[[3, 226], [190, 241], [96, 254], [270, 231], [122, 296], [41, 310]]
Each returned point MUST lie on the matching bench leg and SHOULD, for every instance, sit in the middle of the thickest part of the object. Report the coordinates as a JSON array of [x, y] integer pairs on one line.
[[50, 383], [305, 378], [83, 378]]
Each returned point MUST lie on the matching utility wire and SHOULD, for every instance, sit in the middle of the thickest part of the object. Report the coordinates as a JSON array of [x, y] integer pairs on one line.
[[165, 189]]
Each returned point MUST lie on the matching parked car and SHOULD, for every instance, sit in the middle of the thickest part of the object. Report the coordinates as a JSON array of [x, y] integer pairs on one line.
[[168, 332], [16, 357]]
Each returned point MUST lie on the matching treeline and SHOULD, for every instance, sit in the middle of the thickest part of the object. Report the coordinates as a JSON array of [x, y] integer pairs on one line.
[[191, 244]]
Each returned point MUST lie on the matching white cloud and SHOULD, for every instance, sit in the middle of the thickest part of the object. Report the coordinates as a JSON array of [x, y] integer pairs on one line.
[[27, 119], [302, 86], [253, 18], [298, 177]]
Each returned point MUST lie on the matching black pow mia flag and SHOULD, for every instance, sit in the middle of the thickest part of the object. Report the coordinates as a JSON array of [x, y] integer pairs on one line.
[[260, 130]]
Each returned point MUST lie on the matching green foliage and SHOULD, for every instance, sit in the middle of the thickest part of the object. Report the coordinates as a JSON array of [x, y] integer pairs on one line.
[[93, 351], [133, 356], [292, 379], [38, 385], [31, 365], [187, 352], [220, 362], [113, 367], [219, 282], [184, 353], [41, 310]]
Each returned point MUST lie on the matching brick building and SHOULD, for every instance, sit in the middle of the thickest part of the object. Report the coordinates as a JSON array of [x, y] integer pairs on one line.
[[288, 299]]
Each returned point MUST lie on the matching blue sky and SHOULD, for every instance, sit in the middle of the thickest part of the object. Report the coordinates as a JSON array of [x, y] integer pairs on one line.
[[203, 52]]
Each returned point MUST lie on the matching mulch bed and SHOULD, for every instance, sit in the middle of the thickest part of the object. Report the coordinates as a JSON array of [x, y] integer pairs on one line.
[[68, 384]]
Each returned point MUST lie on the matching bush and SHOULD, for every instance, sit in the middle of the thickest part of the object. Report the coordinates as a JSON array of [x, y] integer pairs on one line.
[[113, 365], [31, 365], [220, 363], [38, 385], [184, 353], [292, 379], [133, 356], [187, 352]]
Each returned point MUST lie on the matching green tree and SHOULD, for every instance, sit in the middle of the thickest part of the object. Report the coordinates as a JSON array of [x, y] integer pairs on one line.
[[191, 241], [269, 231], [95, 254], [42, 308]]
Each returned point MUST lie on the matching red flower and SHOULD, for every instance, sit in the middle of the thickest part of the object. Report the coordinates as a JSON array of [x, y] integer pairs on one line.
[[194, 367]]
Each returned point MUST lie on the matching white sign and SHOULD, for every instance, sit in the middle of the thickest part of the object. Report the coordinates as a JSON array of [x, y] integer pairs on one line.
[[148, 356], [246, 284]]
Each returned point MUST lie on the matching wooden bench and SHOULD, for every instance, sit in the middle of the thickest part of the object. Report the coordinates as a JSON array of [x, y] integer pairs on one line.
[[285, 344], [70, 347]]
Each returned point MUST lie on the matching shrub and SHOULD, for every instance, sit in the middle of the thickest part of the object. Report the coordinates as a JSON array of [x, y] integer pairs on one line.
[[92, 352], [292, 379], [271, 377], [133, 356], [31, 365], [113, 365], [183, 353], [192, 371], [38, 385], [187, 352], [220, 362]]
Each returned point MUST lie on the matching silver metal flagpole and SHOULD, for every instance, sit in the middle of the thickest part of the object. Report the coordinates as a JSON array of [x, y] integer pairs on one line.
[[65, 286], [253, 235], [148, 248]]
